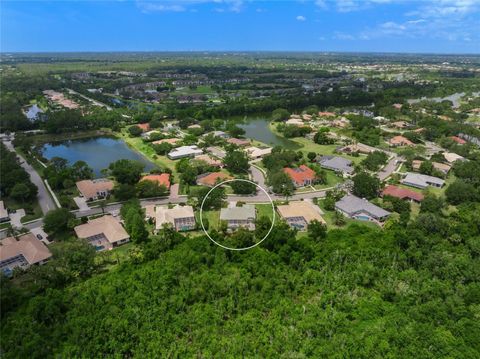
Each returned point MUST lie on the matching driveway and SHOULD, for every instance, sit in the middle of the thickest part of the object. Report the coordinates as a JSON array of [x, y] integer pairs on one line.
[[44, 200], [388, 169], [16, 217], [81, 203]]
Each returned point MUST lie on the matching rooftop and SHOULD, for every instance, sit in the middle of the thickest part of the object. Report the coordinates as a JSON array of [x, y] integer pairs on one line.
[[238, 141], [247, 212], [352, 204], [164, 214], [27, 245], [300, 174], [106, 225], [211, 179], [337, 163], [161, 179], [303, 209], [402, 193], [91, 188], [422, 180], [185, 151]]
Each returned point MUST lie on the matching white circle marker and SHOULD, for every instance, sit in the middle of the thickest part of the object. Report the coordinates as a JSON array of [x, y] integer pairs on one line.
[[242, 180]]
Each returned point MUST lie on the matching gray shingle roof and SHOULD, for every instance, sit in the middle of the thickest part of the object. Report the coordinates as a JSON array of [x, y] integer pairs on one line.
[[238, 213], [352, 204], [420, 180], [337, 164]]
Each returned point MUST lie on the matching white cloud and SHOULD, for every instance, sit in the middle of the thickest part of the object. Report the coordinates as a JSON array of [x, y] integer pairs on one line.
[[301, 18], [343, 36], [147, 6]]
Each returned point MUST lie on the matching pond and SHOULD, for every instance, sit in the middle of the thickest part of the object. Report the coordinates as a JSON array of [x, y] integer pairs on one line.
[[257, 128], [97, 152]]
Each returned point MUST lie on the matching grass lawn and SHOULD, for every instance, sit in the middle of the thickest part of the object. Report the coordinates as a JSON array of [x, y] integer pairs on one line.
[[146, 150], [213, 218], [264, 210], [110, 259]]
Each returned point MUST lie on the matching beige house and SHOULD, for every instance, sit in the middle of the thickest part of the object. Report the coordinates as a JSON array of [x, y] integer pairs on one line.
[[92, 190], [103, 233], [181, 218], [299, 214], [23, 252], [256, 152]]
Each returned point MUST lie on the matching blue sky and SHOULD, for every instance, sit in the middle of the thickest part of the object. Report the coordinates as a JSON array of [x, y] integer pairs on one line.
[[439, 26]]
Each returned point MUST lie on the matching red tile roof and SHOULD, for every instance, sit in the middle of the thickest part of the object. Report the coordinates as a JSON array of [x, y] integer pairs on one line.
[[300, 174], [400, 140], [402, 193], [144, 126], [212, 178], [163, 178], [458, 140]]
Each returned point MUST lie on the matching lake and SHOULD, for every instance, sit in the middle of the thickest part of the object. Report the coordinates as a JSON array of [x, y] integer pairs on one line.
[[258, 129], [97, 152]]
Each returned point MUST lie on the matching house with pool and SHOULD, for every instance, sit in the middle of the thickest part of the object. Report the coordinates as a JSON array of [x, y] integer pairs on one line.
[[299, 214], [359, 208]]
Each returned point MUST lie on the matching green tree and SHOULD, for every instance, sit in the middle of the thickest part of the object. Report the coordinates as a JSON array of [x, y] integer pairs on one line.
[[134, 131], [126, 171], [281, 183], [241, 187], [365, 185], [311, 156], [124, 192], [280, 115], [56, 221], [317, 230], [460, 192], [236, 161]]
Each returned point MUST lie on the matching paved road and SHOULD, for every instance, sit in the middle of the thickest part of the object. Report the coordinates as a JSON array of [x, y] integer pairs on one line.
[[388, 169], [44, 199]]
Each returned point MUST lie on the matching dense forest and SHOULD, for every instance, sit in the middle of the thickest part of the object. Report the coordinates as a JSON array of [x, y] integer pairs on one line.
[[402, 292]]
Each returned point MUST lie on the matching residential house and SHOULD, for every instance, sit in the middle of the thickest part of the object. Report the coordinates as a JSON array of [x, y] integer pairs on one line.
[[162, 179], [22, 253], [359, 208], [299, 214], [185, 151], [220, 134], [340, 123], [194, 126], [402, 193], [237, 217], [144, 126], [422, 181], [217, 152], [210, 161], [211, 179], [240, 142], [442, 167], [295, 122], [397, 106], [149, 211], [400, 141], [95, 189], [301, 176], [452, 157], [147, 134], [181, 218], [326, 114], [256, 152], [171, 141], [400, 124], [103, 233], [336, 163], [4, 217], [357, 147]]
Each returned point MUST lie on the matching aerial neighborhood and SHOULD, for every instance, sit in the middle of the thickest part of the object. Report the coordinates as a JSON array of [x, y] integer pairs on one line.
[[330, 165], [163, 199]]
